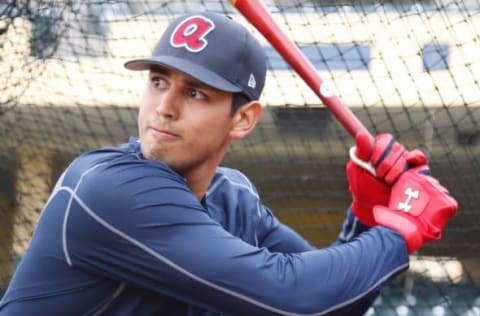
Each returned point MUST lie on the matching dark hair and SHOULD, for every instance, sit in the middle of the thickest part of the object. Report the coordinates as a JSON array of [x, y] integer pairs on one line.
[[238, 100]]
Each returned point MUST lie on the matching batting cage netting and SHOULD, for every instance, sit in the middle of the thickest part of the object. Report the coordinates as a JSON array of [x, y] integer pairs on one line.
[[406, 67]]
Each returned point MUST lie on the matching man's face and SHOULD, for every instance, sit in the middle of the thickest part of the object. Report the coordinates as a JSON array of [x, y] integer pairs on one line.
[[182, 122]]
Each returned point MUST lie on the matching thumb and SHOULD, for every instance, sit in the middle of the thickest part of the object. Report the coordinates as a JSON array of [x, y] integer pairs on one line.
[[363, 146]]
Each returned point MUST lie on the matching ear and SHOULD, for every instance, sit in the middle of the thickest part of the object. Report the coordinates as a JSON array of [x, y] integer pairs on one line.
[[245, 119]]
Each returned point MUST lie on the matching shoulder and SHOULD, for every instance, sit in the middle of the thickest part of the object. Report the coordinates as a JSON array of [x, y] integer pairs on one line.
[[114, 184], [121, 161], [120, 169], [234, 179], [233, 201], [232, 187]]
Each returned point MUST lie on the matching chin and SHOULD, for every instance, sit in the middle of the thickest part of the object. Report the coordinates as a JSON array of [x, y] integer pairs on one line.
[[148, 151]]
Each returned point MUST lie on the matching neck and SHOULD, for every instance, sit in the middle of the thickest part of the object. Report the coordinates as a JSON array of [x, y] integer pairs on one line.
[[199, 178]]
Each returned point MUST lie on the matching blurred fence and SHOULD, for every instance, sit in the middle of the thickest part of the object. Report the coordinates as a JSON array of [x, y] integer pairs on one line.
[[411, 68]]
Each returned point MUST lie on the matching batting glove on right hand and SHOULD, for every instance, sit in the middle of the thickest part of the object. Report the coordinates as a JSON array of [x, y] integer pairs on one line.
[[371, 172], [418, 209]]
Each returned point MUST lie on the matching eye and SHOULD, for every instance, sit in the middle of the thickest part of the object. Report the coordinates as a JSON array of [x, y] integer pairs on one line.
[[196, 94], [158, 82]]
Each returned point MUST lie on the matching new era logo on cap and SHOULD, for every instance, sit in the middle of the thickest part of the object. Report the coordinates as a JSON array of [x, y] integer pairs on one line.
[[251, 81], [191, 33]]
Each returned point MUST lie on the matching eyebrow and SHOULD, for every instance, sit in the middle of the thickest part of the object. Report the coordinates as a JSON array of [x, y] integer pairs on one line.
[[159, 69], [187, 80]]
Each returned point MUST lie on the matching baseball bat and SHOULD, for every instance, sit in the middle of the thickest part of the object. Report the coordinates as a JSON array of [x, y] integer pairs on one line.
[[257, 14]]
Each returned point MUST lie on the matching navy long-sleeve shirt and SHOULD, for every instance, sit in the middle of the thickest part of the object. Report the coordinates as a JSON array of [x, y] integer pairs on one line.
[[123, 235]]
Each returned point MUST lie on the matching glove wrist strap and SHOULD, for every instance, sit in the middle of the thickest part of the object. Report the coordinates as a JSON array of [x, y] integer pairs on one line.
[[401, 224]]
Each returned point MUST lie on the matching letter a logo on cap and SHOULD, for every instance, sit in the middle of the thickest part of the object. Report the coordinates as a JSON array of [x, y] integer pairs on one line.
[[190, 33]]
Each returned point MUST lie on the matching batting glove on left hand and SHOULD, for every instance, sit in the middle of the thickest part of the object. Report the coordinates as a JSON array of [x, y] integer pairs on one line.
[[418, 209]]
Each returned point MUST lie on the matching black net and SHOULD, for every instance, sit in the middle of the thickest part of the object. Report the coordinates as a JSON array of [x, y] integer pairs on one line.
[[410, 68]]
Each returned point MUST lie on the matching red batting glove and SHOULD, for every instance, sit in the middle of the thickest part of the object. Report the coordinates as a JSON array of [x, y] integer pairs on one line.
[[387, 159], [367, 191], [419, 208]]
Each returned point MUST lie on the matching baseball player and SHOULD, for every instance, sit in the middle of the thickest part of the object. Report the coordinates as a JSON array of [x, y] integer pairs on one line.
[[157, 227]]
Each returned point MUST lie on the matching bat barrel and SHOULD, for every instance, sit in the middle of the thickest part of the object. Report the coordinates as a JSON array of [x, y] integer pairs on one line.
[[257, 14]]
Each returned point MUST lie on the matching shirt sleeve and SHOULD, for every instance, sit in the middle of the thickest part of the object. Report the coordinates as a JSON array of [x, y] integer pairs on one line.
[[278, 237], [351, 228], [142, 225]]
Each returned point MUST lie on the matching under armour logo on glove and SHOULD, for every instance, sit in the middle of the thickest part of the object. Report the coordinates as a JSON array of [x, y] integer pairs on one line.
[[411, 194], [191, 33], [426, 206]]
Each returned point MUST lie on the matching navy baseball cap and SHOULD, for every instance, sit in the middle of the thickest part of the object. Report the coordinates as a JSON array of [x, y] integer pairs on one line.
[[213, 49]]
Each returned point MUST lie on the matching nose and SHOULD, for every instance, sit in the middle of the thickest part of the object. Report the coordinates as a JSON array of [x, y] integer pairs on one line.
[[168, 104]]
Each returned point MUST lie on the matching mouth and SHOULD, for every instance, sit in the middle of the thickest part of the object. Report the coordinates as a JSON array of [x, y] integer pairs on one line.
[[163, 133]]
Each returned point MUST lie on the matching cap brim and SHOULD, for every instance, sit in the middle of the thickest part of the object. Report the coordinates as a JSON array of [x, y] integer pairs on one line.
[[185, 66]]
